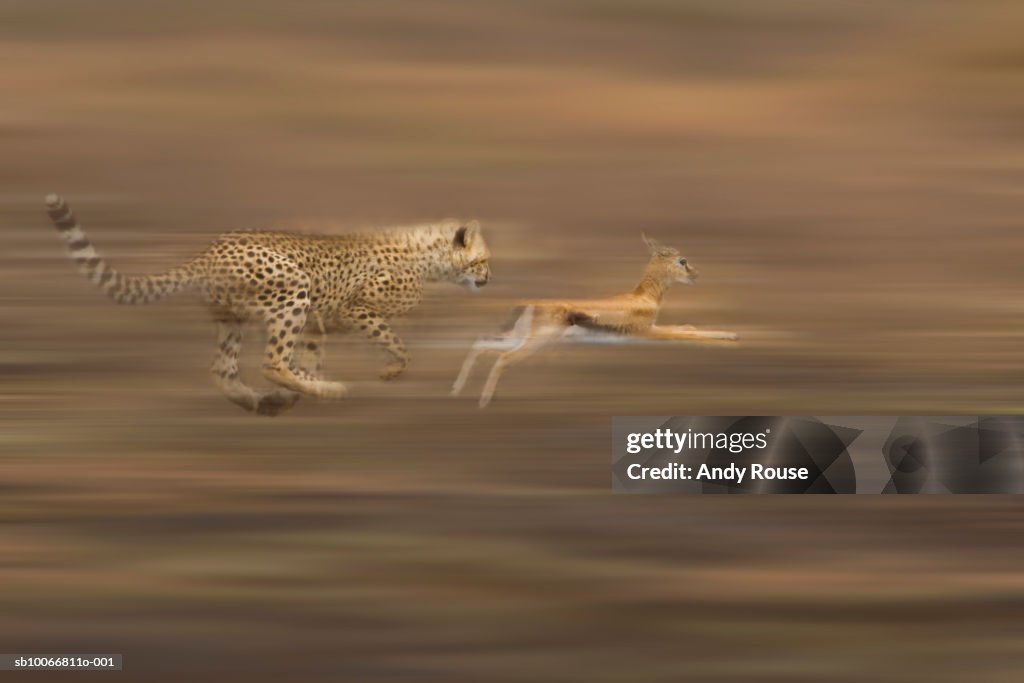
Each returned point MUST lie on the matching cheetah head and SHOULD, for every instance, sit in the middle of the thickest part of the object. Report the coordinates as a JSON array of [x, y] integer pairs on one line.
[[470, 257]]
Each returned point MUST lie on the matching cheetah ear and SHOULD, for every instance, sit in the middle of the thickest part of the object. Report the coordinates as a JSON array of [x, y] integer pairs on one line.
[[465, 235]]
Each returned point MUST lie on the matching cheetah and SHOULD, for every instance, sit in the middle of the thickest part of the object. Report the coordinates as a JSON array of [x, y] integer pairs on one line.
[[536, 324], [298, 287]]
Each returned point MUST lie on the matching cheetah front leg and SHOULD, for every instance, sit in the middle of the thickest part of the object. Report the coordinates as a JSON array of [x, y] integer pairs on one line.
[[226, 377], [376, 329]]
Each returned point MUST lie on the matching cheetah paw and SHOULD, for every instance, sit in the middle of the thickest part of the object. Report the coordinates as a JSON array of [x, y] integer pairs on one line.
[[330, 390], [276, 402], [392, 371]]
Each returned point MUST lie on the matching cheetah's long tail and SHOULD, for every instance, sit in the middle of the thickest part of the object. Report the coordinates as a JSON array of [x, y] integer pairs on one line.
[[124, 289]]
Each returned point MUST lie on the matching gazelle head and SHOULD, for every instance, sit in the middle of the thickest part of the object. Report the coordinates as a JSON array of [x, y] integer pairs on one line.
[[668, 263]]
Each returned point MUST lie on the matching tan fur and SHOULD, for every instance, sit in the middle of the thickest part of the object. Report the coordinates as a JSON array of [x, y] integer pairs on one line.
[[299, 287], [538, 323]]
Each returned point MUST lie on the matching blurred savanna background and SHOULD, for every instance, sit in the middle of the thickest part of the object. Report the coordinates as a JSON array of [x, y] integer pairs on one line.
[[848, 177]]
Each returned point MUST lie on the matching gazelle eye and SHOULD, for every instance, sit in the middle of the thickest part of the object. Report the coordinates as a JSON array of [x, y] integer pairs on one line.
[[682, 262]]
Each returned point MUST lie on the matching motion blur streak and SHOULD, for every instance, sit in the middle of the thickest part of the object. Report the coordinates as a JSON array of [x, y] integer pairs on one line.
[[847, 176]]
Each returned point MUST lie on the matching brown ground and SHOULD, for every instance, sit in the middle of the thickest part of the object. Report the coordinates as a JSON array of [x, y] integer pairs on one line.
[[846, 175]]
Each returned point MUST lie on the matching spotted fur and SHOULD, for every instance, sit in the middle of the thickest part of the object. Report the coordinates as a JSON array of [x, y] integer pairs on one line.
[[299, 287]]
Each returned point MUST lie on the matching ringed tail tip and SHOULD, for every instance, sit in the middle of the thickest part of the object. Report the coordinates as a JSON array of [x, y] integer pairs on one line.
[[54, 200]]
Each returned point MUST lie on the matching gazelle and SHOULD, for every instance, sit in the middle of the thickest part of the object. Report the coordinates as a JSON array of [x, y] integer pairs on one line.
[[535, 324]]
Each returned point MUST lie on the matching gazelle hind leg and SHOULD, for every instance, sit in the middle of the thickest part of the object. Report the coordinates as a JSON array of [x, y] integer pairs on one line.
[[467, 365], [480, 346], [537, 340], [226, 377], [508, 341]]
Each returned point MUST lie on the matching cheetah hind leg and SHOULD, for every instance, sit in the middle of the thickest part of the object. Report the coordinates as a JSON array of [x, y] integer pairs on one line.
[[285, 322], [310, 355], [226, 377]]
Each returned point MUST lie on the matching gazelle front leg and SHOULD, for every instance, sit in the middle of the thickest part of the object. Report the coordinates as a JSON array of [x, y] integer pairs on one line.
[[686, 333]]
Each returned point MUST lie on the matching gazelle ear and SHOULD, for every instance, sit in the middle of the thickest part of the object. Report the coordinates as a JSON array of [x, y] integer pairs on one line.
[[657, 249]]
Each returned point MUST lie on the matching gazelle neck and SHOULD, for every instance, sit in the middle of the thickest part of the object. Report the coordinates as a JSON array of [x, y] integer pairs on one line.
[[652, 285]]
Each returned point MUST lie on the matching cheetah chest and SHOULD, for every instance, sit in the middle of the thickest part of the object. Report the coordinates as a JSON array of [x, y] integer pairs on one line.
[[387, 292]]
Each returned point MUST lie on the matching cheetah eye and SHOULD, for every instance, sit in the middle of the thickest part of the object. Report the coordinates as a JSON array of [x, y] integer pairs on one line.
[[682, 262]]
